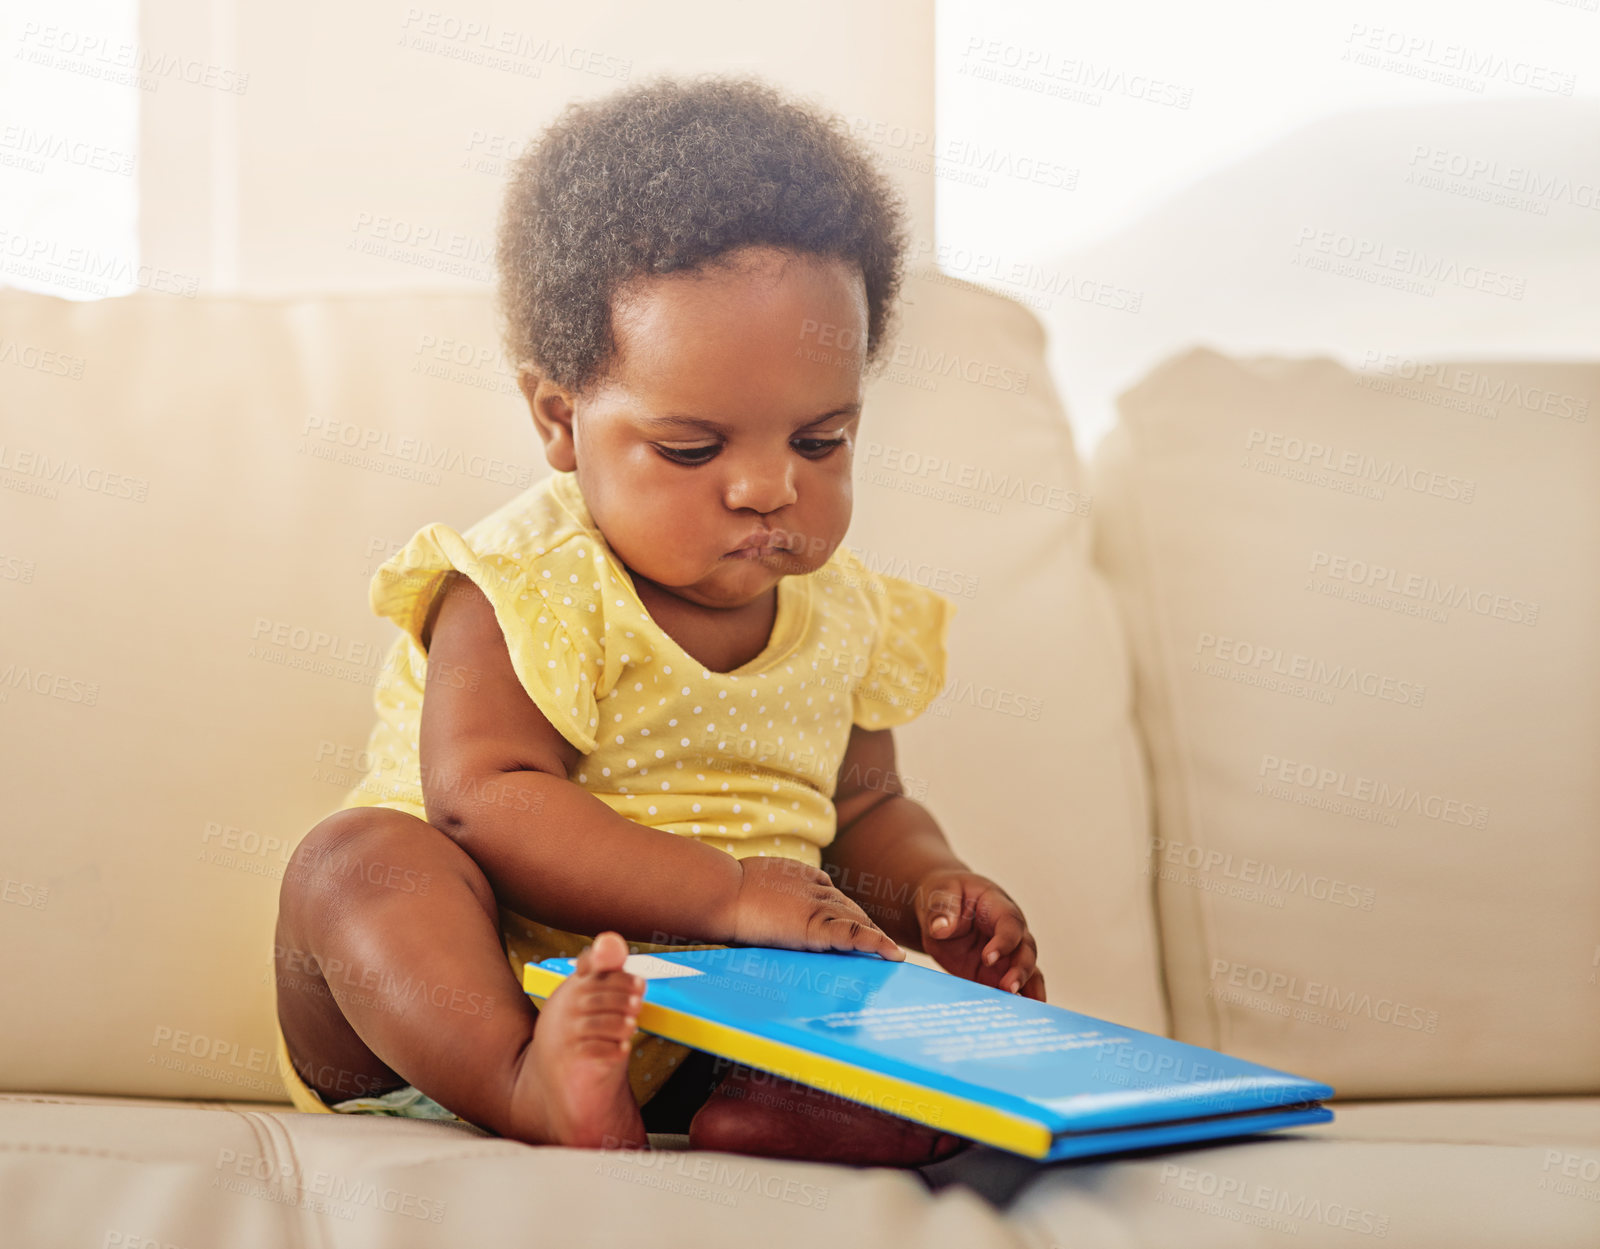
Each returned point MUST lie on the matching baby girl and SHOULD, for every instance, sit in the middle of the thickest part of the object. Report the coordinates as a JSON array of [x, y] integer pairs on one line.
[[648, 703]]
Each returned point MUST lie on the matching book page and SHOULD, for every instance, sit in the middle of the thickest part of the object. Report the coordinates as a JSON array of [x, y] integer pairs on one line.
[[977, 1028]]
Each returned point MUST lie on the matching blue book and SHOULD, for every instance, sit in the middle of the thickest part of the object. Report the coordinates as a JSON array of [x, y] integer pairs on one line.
[[962, 1057]]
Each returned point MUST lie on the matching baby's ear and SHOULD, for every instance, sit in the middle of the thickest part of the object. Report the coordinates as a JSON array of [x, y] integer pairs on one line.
[[552, 410]]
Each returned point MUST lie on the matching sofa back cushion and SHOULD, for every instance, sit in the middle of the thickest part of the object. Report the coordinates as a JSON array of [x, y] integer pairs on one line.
[[197, 492], [1363, 608]]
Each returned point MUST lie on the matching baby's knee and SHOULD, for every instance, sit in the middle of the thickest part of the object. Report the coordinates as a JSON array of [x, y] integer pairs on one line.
[[358, 850]]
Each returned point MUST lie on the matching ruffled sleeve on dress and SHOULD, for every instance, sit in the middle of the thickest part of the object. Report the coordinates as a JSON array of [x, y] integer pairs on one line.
[[548, 609], [905, 670]]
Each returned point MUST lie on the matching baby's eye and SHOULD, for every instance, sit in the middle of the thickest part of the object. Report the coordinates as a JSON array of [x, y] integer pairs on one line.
[[687, 455], [815, 448], [819, 447]]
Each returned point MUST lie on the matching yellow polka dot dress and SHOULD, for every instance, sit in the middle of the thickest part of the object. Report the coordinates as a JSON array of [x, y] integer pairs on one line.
[[746, 761]]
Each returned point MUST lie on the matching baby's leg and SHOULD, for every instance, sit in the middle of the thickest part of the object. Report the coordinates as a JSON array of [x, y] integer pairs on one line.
[[390, 971], [756, 1113]]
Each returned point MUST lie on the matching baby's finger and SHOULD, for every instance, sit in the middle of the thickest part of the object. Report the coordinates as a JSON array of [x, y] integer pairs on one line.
[[877, 940], [841, 933], [947, 917], [1008, 932], [1035, 986], [1021, 967]]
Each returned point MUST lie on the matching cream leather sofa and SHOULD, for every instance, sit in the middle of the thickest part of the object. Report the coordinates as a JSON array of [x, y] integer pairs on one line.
[[1281, 724]]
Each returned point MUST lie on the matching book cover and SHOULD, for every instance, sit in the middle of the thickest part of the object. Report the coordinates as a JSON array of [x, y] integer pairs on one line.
[[1024, 1076]]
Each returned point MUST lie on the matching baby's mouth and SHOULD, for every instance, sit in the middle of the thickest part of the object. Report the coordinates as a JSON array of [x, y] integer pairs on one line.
[[759, 546]]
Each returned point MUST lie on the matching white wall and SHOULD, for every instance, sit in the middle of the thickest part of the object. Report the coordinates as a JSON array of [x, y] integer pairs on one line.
[[1142, 174], [69, 136], [367, 121], [1139, 174]]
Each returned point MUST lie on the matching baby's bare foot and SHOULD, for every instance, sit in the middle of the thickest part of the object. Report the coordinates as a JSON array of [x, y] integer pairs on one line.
[[778, 1118], [572, 1088]]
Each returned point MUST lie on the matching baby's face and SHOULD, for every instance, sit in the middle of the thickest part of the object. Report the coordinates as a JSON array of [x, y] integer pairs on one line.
[[730, 410]]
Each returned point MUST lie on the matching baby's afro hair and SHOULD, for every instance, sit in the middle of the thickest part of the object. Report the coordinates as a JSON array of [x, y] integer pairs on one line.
[[668, 175]]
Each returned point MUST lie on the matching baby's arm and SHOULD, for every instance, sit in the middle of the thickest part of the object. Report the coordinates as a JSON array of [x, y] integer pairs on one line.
[[886, 843], [495, 779], [891, 858]]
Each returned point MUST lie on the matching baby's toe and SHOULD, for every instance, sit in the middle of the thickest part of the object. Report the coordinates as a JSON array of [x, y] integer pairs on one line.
[[609, 951]]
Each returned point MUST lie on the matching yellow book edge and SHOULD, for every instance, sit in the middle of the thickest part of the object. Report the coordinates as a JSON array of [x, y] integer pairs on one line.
[[946, 1111]]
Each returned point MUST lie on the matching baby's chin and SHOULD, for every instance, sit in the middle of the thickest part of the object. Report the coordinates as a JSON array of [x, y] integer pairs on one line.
[[740, 582], [736, 582], [727, 584]]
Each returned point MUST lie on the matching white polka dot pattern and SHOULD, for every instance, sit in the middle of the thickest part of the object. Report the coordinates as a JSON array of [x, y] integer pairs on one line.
[[746, 760]]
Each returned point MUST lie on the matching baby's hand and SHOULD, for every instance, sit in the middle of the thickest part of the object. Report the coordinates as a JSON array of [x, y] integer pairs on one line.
[[972, 928], [790, 904]]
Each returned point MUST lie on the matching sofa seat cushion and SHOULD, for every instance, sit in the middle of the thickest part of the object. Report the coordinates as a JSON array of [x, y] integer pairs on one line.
[[82, 1170], [1457, 1174], [116, 1171]]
